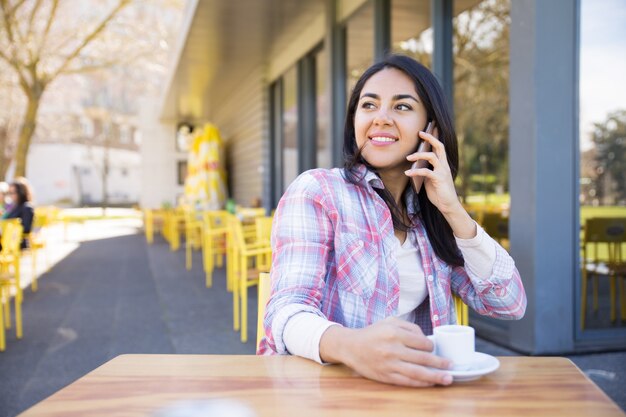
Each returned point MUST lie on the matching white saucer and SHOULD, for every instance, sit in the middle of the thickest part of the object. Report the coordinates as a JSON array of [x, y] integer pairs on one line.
[[482, 364]]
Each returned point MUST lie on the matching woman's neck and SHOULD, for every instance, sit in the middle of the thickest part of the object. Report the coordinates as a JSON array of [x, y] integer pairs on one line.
[[395, 184]]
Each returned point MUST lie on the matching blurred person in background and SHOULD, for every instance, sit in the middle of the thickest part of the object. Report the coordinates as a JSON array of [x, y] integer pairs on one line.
[[20, 196]]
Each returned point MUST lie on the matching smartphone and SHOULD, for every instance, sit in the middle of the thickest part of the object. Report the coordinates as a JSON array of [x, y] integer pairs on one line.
[[423, 146]]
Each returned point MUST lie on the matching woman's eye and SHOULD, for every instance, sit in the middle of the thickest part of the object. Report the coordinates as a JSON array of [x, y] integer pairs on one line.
[[367, 105], [403, 106]]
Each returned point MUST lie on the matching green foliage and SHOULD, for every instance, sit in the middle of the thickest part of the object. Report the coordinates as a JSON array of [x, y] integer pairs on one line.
[[481, 97], [609, 138]]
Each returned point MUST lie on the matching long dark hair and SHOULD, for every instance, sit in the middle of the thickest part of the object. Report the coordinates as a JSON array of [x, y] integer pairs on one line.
[[23, 191], [431, 94]]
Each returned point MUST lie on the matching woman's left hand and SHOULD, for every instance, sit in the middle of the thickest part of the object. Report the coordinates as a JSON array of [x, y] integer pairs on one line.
[[438, 180]]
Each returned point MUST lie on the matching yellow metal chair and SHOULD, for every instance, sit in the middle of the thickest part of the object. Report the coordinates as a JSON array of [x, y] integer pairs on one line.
[[462, 312], [10, 280], [215, 242], [248, 216], [265, 288], [37, 241], [496, 226], [2, 331], [603, 255], [171, 227], [263, 236], [193, 235], [243, 254], [152, 222]]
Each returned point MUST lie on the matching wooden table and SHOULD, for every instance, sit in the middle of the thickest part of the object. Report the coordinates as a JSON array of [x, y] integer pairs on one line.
[[136, 385]]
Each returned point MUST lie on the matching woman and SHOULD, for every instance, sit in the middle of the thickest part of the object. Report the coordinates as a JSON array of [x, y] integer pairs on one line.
[[364, 267], [20, 197]]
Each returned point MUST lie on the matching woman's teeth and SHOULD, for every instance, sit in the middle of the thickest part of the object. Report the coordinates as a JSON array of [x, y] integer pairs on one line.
[[383, 139]]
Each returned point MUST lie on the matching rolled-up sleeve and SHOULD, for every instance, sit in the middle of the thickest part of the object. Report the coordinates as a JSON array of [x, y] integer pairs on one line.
[[500, 296], [302, 239]]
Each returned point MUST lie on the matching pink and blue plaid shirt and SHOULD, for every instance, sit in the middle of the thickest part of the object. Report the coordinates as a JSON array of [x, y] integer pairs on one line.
[[333, 255]]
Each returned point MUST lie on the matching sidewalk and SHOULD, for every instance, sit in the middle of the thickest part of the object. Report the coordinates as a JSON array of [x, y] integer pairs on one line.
[[109, 293]]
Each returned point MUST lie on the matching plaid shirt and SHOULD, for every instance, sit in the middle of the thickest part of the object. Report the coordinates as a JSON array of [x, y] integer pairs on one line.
[[333, 255]]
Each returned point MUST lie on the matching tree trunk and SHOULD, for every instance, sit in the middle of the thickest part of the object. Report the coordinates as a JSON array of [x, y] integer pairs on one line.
[[26, 134], [4, 143]]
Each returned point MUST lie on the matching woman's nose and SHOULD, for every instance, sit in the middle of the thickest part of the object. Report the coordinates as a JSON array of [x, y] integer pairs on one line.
[[382, 117]]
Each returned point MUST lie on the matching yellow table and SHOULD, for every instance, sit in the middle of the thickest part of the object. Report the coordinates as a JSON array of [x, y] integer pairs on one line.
[[136, 385]]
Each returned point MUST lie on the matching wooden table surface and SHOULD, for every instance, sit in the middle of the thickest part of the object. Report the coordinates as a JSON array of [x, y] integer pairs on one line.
[[137, 385]]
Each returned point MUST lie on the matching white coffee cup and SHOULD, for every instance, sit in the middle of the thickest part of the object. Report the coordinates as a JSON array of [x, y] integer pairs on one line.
[[456, 343]]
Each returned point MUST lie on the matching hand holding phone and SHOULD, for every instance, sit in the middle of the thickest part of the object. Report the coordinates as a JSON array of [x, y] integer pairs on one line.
[[423, 146]]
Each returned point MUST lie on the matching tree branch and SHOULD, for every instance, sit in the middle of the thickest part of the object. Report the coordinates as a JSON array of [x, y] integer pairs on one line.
[[44, 36], [14, 9], [106, 64], [29, 31], [89, 38], [7, 22]]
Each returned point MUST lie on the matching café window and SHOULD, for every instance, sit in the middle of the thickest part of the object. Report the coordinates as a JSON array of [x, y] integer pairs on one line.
[[481, 110], [324, 157], [290, 127], [602, 144]]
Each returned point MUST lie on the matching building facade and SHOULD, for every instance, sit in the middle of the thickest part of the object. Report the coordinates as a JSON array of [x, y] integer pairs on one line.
[[274, 76]]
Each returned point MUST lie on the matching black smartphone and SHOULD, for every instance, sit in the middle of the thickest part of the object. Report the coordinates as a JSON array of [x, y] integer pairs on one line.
[[423, 146]]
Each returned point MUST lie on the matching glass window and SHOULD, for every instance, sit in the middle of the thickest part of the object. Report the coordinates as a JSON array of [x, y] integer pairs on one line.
[[290, 127], [125, 134], [360, 44], [323, 111], [602, 157], [181, 172], [411, 29], [481, 107]]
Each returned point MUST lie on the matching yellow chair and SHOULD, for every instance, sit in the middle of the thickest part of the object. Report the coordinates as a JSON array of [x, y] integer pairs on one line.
[[193, 235], [265, 288], [2, 331], [263, 229], [462, 312], [603, 255], [152, 221], [243, 254], [37, 241], [171, 227], [248, 215], [215, 242], [263, 236], [496, 226], [10, 280]]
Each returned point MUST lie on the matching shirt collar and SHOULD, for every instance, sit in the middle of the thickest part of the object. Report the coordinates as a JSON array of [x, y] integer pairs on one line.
[[374, 181]]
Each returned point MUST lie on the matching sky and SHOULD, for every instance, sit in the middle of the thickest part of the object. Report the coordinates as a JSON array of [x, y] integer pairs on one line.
[[602, 62]]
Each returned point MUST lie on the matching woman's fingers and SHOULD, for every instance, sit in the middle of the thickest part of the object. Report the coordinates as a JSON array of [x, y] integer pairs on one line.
[[436, 144], [421, 172], [423, 358], [423, 374], [430, 157]]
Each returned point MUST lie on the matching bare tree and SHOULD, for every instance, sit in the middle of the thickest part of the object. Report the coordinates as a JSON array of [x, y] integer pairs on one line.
[[11, 104], [39, 49]]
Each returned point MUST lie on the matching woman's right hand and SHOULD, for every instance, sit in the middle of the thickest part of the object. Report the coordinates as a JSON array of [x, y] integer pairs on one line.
[[393, 351]]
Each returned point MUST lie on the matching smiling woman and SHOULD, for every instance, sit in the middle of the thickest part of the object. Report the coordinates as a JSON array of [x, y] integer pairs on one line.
[[364, 268]]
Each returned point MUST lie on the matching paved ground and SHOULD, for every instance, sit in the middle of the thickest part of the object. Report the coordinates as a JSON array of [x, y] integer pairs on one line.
[[112, 294]]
